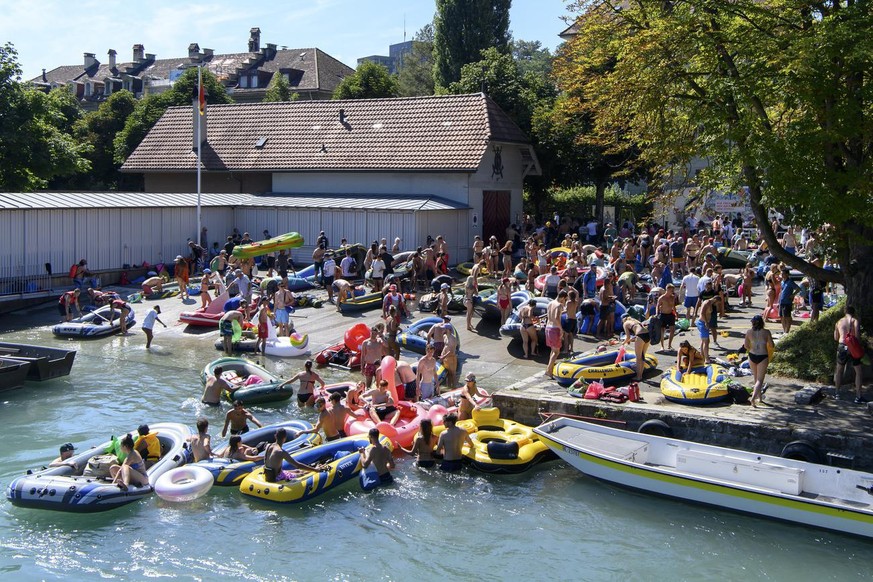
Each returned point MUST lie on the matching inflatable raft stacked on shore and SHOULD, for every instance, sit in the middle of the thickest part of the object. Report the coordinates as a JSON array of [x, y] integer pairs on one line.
[[291, 240], [66, 489], [501, 445], [206, 316], [296, 344], [601, 366], [491, 311], [703, 385], [346, 354], [343, 460], [256, 385], [94, 324], [226, 472], [414, 338]]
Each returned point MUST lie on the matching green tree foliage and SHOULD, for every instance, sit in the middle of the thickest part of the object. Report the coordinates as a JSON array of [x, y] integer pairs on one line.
[[775, 95], [531, 57], [98, 129], [34, 147], [370, 81], [150, 109], [415, 75], [279, 90], [462, 30]]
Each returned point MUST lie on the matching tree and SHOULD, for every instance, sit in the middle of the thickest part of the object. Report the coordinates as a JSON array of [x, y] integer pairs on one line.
[[775, 95], [33, 145], [279, 90], [149, 110], [462, 30], [370, 81], [531, 57], [415, 76]]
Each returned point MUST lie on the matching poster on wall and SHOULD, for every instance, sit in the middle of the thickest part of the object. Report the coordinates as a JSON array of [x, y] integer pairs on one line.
[[609, 214]]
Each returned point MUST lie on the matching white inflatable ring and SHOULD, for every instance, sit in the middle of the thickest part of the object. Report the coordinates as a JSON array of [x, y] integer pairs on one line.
[[184, 483]]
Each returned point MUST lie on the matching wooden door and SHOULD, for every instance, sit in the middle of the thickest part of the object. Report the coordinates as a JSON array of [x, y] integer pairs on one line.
[[495, 214]]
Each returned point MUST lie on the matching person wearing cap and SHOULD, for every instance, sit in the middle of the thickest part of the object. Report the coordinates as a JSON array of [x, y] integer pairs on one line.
[[394, 299], [64, 460], [180, 272], [243, 284], [443, 300], [469, 394], [148, 324], [147, 445], [609, 233]]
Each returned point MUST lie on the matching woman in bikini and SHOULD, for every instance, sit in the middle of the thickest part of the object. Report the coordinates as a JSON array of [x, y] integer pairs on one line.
[[688, 357], [240, 452], [470, 290], [506, 252], [308, 378], [529, 339], [423, 446], [640, 334], [132, 470], [759, 344], [504, 299]]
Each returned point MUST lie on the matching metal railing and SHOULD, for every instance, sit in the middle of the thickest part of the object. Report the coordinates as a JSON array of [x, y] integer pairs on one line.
[[15, 284]]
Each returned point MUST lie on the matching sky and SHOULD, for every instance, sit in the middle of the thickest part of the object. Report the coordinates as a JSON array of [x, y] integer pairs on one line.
[[51, 33]]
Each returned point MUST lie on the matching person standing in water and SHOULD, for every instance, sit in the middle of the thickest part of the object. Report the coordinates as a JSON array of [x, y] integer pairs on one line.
[[148, 324]]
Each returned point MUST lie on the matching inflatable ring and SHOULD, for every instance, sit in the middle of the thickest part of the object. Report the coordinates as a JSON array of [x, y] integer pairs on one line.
[[356, 335], [184, 483]]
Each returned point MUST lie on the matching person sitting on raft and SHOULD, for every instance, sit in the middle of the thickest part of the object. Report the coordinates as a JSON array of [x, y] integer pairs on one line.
[[382, 407], [148, 445], [275, 454], [240, 452], [688, 357], [379, 456]]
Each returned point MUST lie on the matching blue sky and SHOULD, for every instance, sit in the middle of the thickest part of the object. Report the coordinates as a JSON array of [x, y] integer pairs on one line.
[[50, 33]]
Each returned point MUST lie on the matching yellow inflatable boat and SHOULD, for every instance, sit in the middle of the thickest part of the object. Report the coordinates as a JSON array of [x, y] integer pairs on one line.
[[501, 445], [703, 385]]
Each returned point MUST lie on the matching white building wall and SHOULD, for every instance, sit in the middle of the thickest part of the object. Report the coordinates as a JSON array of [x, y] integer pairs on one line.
[[452, 186]]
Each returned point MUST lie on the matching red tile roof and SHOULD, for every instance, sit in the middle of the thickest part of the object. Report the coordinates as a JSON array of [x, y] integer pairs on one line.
[[440, 133]]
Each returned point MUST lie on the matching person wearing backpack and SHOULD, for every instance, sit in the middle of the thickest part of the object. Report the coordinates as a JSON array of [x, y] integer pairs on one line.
[[847, 334]]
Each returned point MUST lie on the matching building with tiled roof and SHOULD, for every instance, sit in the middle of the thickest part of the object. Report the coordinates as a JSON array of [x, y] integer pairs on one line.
[[460, 148], [311, 73]]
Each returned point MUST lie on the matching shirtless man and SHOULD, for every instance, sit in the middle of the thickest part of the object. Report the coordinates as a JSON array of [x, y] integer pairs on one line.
[[326, 422], [318, 261], [281, 299], [404, 377], [382, 407], [152, 285], [343, 291], [201, 443], [379, 456], [308, 378], [437, 336], [371, 354], [666, 305], [451, 443], [275, 454], [338, 413], [236, 419], [225, 328], [848, 324], [553, 330], [704, 326], [263, 327], [426, 380], [215, 387]]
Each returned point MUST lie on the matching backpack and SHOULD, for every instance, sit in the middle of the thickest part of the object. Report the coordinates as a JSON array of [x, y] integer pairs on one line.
[[654, 328], [856, 350], [73, 270]]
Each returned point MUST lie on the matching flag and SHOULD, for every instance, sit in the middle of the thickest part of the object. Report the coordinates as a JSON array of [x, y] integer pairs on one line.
[[201, 94]]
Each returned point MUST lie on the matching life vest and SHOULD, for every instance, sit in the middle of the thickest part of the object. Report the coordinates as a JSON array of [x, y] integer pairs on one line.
[[73, 270], [68, 298], [153, 446]]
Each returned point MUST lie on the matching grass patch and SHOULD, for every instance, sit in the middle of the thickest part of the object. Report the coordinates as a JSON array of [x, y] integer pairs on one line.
[[809, 352]]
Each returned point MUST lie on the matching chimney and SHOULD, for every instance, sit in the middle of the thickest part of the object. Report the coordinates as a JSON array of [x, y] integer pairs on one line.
[[44, 78], [90, 60], [150, 57], [270, 53], [208, 53], [138, 52], [112, 54], [254, 40], [194, 51]]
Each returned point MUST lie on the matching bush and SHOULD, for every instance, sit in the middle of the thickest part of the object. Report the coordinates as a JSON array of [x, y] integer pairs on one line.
[[578, 201], [809, 352]]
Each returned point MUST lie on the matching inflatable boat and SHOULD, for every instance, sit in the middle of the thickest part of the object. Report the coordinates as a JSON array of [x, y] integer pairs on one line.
[[206, 316], [602, 368], [490, 309], [291, 240], [364, 302], [67, 488], [296, 344], [255, 384], [94, 324], [414, 338], [342, 457], [227, 472], [703, 385]]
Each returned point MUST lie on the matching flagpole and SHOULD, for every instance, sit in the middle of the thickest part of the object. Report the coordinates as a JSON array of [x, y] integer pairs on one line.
[[199, 146]]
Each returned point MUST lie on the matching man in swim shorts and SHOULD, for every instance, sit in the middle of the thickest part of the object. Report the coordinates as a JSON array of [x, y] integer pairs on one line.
[[236, 419], [451, 444], [426, 381], [554, 334], [274, 455], [225, 329], [371, 354], [379, 456], [382, 407], [215, 387]]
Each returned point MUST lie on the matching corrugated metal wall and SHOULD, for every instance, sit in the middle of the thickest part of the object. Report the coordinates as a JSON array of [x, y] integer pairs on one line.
[[111, 237]]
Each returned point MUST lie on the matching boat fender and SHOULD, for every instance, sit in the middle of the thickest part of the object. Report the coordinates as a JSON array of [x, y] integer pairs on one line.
[[801, 451], [656, 427], [504, 451]]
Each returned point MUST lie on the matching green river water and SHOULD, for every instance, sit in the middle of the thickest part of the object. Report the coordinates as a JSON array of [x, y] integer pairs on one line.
[[551, 523]]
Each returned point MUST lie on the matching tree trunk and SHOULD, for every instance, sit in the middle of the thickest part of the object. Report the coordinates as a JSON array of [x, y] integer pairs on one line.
[[858, 276], [599, 190]]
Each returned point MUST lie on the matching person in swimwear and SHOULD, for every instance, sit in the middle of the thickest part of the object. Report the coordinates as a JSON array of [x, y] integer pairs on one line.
[[634, 329], [451, 444], [504, 299], [553, 330], [132, 470], [759, 344], [379, 456], [371, 354], [308, 378], [215, 387], [529, 339], [325, 422], [236, 418], [423, 446], [274, 455], [382, 407]]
